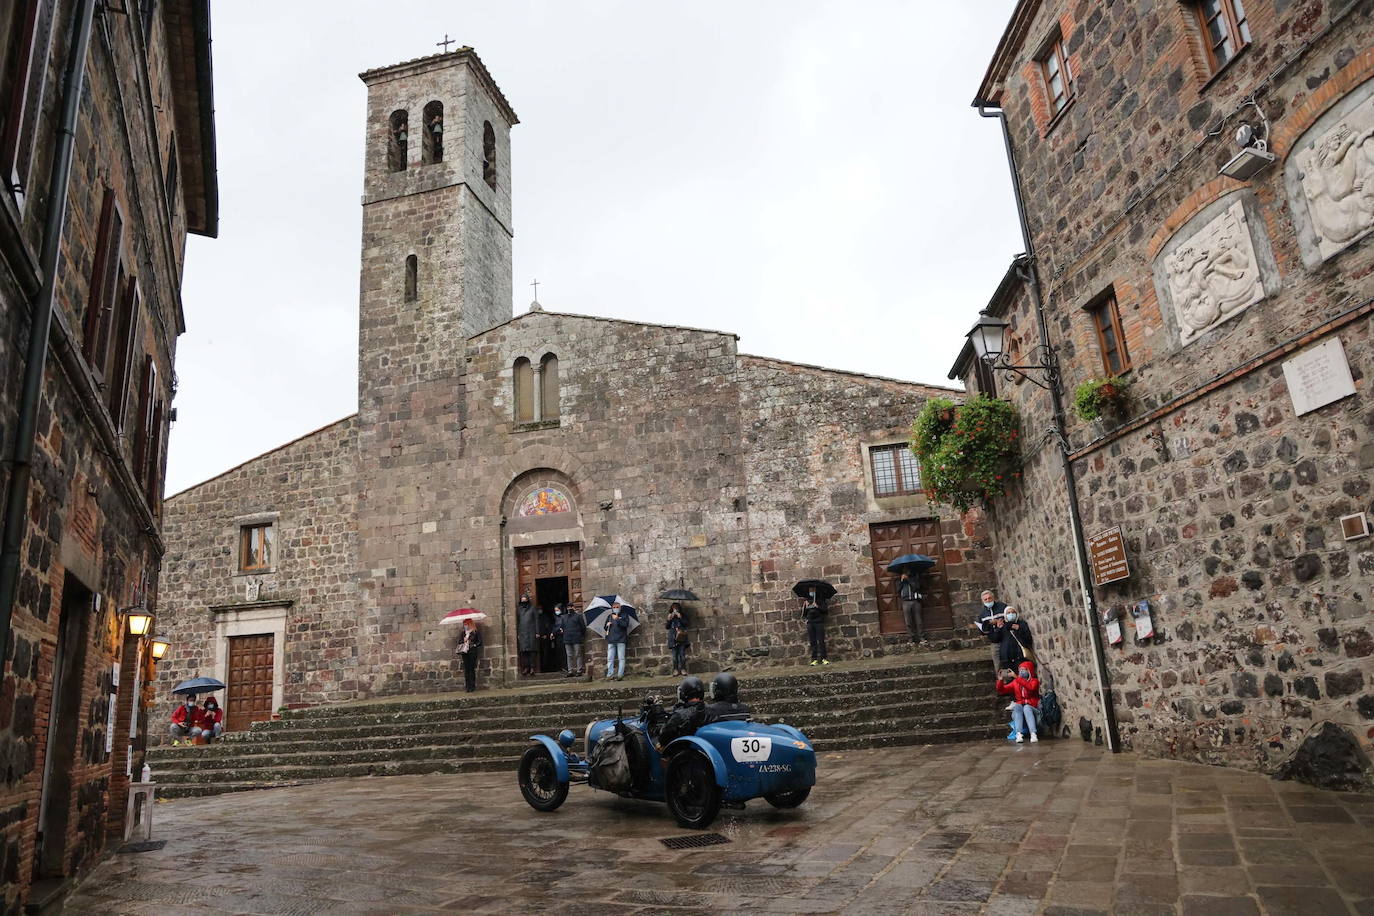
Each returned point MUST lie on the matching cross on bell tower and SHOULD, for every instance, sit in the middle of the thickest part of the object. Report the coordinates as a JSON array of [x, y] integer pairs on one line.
[[445, 43]]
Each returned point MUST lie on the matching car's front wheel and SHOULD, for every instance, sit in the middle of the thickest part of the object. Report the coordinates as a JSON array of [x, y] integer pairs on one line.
[[693, 796], [539, 779], [791, 798]]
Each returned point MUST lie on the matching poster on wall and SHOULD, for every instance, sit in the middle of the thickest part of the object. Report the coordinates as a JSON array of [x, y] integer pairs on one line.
[[109, 725]]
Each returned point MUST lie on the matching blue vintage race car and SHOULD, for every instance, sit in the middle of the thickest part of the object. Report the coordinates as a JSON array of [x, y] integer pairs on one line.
[[724, 763]]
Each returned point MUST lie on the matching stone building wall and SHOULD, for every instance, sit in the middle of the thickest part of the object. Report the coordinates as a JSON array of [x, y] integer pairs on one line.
[[810, 497], [307, 491], [1229, 501], [91, 550]]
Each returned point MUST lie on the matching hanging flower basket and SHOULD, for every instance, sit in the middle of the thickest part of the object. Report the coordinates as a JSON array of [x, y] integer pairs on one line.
[[968, 452], [1101, 397]]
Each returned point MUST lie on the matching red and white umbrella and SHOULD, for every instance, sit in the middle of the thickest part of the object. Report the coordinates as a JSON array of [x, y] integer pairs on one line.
[[465, 613]]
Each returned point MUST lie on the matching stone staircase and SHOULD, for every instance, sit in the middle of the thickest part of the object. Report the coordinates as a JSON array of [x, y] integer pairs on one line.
[[926, 700]]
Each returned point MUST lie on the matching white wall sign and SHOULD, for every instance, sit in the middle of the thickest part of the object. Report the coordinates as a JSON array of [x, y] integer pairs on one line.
[[1318, 376], [109, 725]]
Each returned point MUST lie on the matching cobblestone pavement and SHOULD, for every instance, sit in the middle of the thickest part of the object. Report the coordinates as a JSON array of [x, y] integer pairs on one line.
[[1055, 828]]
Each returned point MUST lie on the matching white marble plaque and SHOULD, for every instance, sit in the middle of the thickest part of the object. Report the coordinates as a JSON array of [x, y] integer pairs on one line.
[[1318, 376], [1214, 275], [1338, 180]]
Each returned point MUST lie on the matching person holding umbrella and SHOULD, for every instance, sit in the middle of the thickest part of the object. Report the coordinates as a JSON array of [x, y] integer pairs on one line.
[[186, 721], [470, 650], [678, 640], [617, 634], [910, 596], [814, 594]]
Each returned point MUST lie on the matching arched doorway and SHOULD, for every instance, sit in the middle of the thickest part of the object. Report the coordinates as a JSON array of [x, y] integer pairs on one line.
[[544, 534]]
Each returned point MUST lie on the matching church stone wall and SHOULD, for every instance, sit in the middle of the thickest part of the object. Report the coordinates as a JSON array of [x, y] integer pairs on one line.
[[306, 490], [810, 505], [1229, 501]]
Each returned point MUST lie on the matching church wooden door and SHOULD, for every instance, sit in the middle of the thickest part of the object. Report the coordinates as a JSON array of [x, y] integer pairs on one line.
[[547, 562], [891, 541], [250, 681]]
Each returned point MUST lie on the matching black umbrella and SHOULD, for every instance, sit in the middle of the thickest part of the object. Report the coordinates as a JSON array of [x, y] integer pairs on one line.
[[911, 562], [679, 594], [198, 685], [823, 589]]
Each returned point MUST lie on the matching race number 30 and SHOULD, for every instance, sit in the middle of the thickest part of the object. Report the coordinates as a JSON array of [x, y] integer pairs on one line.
[[750, 750]]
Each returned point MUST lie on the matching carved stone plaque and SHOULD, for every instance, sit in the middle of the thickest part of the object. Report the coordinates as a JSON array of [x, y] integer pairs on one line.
[[1337, 171], [1214, 275], [1318, 376]]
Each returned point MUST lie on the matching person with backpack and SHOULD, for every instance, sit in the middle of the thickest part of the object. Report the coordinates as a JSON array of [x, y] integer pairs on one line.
[[1024, 689]]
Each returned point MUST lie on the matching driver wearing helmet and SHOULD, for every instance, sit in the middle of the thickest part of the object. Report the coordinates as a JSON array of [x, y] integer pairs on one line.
[[725, 704], [688, 715]]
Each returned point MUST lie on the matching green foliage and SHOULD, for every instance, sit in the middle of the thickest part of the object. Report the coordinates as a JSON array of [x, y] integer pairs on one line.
[[1097, 396], [968, 453]]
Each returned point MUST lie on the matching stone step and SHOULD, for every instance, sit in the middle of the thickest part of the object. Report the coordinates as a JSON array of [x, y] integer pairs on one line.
[[294, 776], [575, 714], [808, 717], [203, 768], [568, 690]]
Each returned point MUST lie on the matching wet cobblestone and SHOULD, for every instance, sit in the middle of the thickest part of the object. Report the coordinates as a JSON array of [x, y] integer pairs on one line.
[[1055, 828]]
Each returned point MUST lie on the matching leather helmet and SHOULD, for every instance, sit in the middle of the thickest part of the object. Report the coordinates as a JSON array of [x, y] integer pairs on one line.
[[724, 688]]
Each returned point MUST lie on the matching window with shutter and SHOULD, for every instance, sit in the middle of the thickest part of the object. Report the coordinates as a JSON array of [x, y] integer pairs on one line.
[[143, 431], [19, 21], [152, 474], [125, 330], [107, 278]]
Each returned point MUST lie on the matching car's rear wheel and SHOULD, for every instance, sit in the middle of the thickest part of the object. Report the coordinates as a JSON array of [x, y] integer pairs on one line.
[[539, 779], [692, 796], [788, 799]]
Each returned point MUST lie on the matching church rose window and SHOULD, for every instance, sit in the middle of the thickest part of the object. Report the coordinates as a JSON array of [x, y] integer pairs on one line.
[[544, 501]]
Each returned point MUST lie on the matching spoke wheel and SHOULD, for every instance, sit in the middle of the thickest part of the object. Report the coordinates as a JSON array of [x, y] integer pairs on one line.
[[539, 780], [693, 796], [789, 799]]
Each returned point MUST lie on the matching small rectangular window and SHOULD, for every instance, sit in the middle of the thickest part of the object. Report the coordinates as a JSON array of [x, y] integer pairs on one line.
[[984, 377], [19, 28], [256, 546], [1058, 72], [895, 470], [1111, 342], [1225, 30]]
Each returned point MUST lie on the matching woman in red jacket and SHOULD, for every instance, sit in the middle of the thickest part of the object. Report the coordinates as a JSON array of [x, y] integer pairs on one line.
[[1024, 689], [211, 720]]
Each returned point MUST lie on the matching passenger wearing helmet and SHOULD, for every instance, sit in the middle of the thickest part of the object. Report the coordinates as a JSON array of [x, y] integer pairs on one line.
[[725, 704], [688, 715]]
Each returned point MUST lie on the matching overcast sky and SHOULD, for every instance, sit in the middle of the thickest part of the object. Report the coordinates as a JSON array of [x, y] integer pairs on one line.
[[807, 175]]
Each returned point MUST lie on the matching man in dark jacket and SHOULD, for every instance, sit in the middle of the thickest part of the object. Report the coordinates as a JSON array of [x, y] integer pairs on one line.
[[725, 702], [1013, 639], [987, 618], [617, 633], [574, 631], [527, 634], [688, 715], [909, 594]]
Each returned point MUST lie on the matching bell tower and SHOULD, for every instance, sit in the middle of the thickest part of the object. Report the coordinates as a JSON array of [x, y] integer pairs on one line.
[[436, 269]]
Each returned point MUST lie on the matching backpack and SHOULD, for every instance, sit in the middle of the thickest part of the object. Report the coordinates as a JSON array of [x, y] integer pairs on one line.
[[1050, 713], [610, 763]]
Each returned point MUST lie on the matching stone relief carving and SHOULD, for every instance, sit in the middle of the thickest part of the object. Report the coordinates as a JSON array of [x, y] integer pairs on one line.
[[1338, 180], [1214, 275]]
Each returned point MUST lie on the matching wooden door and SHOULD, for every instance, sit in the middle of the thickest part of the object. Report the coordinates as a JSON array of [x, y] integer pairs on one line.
[[551, 560], [250, 681], [891, 541]]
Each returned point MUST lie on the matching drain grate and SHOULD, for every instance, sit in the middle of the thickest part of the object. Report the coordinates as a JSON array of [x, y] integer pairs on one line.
[[694, 841]]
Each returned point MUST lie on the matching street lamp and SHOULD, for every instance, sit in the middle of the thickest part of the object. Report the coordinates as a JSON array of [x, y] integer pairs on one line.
[[160, 648], [140, 622], [988, 336]]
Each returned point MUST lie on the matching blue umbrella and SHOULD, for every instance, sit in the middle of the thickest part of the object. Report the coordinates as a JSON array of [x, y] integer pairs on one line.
[[199, 685], [598, 610], [911, 562]]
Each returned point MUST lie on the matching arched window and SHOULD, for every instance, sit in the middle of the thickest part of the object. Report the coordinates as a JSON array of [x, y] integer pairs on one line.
[[397, 146], [489, 155], [524, 391], [412, 278], [432, 144], [548, 387]]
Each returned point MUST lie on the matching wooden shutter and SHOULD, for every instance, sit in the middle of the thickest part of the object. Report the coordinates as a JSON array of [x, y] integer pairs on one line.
[[125, 330], [145, 417], [151, 475], [15, 67], [99, 270]]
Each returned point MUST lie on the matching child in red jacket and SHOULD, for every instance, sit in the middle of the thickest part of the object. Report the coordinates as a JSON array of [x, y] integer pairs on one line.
[[1024, 689]]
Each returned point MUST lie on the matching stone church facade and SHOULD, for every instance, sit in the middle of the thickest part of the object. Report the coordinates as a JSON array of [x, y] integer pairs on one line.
[[1240, 310], [570, 455]]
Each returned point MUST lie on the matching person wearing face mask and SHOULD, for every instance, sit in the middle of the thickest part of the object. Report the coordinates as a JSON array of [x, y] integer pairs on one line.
[[1012, 637]]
